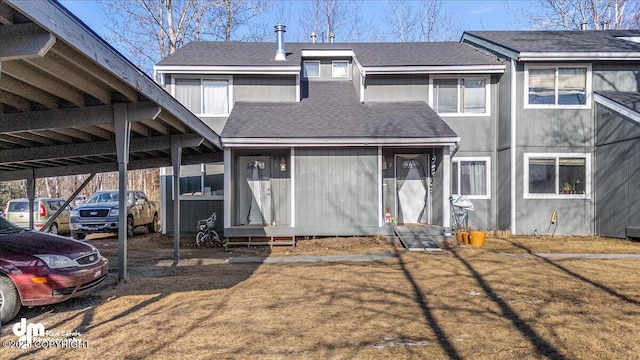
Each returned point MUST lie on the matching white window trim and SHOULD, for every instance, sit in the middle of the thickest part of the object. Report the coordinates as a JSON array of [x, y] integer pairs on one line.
[[487, 84], [304, 72], [556, 156], [227, 78], [487, 161], [333, 74], [588, 91]]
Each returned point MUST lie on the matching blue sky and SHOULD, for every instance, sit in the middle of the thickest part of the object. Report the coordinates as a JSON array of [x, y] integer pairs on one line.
[[471, 14]]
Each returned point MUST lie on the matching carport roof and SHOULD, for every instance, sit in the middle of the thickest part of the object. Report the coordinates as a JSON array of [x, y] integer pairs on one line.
[[62, 86]]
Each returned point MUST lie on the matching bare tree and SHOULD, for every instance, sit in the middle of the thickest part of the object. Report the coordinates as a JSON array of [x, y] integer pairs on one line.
[[584, 14], [341, 18], [424, 20], [228, 17]]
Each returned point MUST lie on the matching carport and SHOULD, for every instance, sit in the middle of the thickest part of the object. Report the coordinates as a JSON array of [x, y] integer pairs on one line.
[[72, 104]]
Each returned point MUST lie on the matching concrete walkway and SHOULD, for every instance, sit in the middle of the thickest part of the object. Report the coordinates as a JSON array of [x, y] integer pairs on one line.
[[311, 258], [570, 256]]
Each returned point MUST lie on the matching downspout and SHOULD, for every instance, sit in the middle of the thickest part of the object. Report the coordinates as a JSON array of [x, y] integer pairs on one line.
[[513, 145]]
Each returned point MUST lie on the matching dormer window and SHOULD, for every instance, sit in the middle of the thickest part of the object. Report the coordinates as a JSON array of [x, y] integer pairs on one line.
[[340, 68], [311, 69]]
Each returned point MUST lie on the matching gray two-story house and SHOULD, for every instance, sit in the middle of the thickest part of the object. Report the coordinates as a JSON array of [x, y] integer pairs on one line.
[[326, 139]]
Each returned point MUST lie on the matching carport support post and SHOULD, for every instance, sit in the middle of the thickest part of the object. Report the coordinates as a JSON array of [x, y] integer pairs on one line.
[[31, 191], [122, 132], [176, 160]]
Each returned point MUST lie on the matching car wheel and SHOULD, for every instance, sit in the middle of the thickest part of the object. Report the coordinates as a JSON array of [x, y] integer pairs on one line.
[[154, 227], [129, 227], [78, 236], [9, 300], [53, 229]]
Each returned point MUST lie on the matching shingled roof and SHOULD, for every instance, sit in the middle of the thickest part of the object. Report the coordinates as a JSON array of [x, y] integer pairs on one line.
[[209, 53], [589, 41], [630, 100], [332, 110]]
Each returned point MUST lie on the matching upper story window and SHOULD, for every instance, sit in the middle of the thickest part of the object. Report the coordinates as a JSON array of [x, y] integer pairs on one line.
[[468, 96], [340, 68], [206, 96], [311, 69], [470, 177], [551, 86], [557, 175]]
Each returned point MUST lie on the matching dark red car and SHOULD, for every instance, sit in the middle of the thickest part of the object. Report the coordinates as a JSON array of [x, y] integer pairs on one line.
[[39, 268]]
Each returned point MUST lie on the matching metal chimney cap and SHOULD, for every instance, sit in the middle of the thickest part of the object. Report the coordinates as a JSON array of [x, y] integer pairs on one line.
[[280, 53]]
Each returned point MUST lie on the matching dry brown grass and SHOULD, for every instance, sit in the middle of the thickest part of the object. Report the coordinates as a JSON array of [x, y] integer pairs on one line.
[[471, 303]]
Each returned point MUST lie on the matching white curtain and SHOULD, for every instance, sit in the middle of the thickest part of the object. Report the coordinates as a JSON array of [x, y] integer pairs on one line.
[[474, 96], [473, 178], [446, 93], [188, 93], [215, 96]]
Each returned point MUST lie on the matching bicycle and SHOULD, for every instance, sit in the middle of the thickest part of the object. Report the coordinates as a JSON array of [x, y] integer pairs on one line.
[[206, 232]]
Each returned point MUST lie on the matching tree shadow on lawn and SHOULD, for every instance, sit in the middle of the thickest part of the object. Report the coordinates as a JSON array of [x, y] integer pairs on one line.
[[575, 275]]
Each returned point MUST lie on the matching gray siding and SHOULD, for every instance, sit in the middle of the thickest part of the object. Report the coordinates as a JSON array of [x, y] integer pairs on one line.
[[215, 123], [396, 88], [616, 76], [503, 189], [618, 166], [336, 190], [190, 212], [504, 108], [261, 88]]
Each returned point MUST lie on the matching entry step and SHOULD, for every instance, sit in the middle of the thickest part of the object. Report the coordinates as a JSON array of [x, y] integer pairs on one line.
[[416, 238]]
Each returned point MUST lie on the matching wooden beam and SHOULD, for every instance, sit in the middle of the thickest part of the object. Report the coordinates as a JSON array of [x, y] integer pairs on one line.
[[15, 140], [36, 138], [55, 119], [15, 101], [6, 14], [97, 132], [71, 76], [98, 73], [75, 117], [21, 41], [27, 91], [97, 148], [43, 81], [74, 133]]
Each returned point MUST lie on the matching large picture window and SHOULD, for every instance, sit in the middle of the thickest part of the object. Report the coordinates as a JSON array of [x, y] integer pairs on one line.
[[557, 175], [202, 180], [204, 97], [470, 177], [557, 86], [460, 96]]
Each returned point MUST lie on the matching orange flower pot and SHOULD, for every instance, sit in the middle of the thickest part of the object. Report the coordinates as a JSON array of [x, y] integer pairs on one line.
[[476, 238]]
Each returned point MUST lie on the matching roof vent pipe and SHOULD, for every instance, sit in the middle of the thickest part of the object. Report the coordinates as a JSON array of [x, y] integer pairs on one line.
[[280, 54], [332, 36], [583, 25], [314, 37]]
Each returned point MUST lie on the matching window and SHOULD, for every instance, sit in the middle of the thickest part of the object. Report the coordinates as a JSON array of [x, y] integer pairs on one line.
[[470, 177], [202, 180], [557, 86], [204, 97], [457, 96], [311, 69], [340, 69], [557, 175]]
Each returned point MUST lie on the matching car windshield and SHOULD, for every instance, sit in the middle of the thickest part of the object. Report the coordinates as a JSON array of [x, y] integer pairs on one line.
[[7, 227], [105, 197]]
